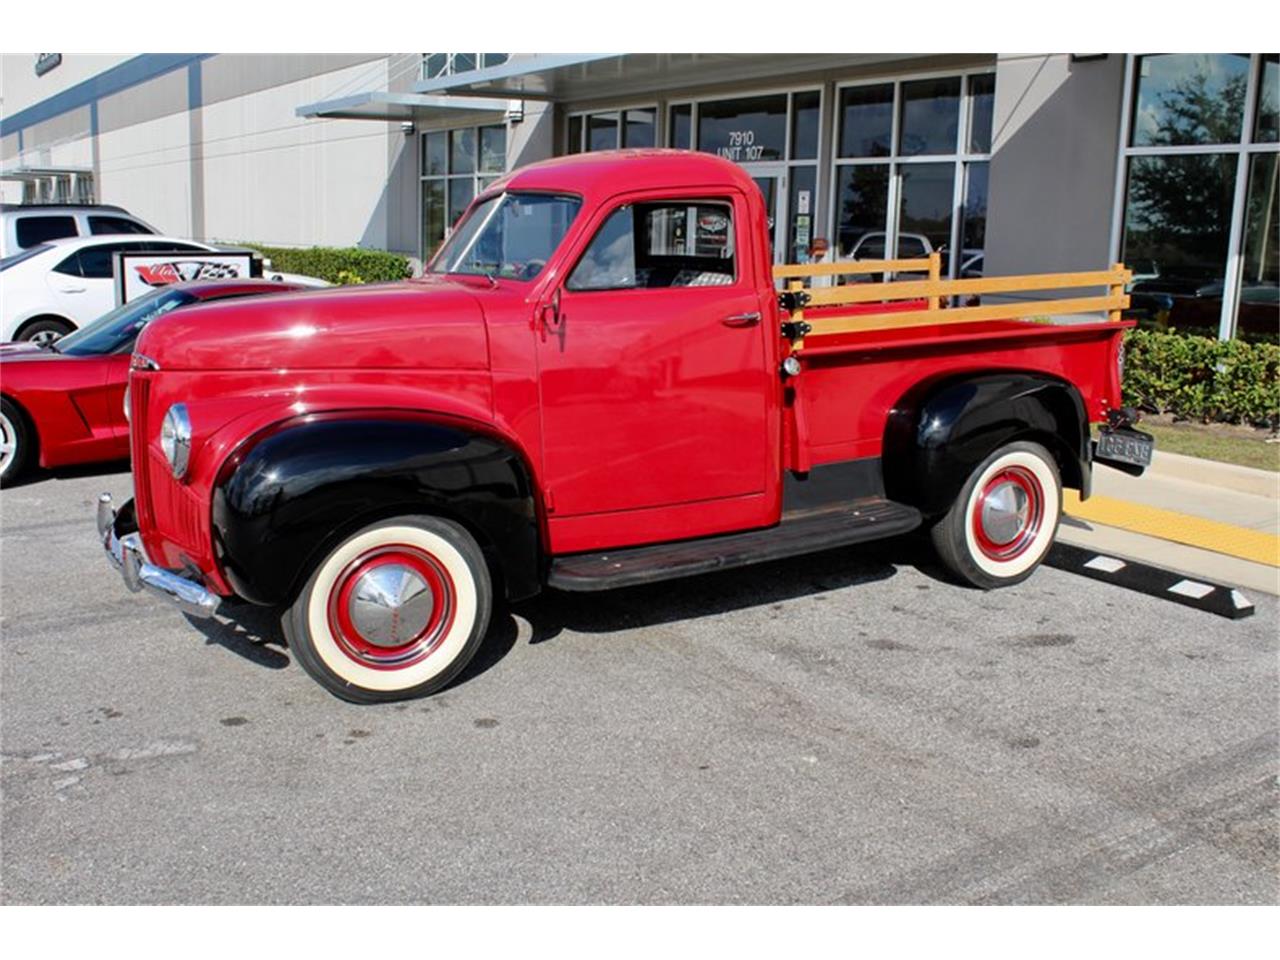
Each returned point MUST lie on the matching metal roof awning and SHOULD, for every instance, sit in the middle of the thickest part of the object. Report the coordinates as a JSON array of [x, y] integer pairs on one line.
[[383, 105], [568, 77]]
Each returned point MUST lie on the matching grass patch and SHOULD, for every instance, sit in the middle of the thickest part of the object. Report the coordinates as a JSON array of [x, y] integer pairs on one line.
[[1244, 446]]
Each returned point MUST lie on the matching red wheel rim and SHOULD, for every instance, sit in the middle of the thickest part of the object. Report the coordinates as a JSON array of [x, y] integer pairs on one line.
[[408, 563], [1008, 513]]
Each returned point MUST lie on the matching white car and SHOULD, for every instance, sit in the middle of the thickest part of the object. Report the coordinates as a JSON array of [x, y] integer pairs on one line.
[[24, 225], [52, 288]]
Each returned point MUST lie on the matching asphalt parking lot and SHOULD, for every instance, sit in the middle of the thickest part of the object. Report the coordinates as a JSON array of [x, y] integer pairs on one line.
[[844, 728]]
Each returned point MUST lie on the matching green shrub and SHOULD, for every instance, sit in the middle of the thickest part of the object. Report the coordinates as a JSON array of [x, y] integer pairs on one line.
[[1201, 378], [337, 264]]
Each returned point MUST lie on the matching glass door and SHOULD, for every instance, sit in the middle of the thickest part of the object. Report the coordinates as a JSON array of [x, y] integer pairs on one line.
[[772, 181]]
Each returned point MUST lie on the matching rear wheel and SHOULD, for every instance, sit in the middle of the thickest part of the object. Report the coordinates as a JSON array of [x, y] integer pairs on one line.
[[45, 330], [17, 440], [395, 611], [1003, 522]]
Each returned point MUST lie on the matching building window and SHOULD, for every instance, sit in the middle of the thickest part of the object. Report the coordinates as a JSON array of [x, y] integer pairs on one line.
[[775, 136], [455, 166], [911, 169], [1198, 205], [446, 64], [612, 129]]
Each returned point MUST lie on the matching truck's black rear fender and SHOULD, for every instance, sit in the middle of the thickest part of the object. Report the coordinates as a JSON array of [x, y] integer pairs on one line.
[[941, 430], [291, 493]]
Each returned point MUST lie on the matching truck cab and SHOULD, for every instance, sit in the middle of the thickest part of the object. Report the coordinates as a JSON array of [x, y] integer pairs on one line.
[[596, 382]]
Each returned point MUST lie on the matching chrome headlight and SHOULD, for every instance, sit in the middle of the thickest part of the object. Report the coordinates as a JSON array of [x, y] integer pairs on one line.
[[175, 439]]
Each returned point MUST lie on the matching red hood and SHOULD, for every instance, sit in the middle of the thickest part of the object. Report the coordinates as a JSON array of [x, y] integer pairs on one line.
[[417, 324]]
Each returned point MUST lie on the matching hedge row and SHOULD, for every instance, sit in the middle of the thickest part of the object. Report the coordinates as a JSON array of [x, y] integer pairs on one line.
[[1201, 378], [342, 265]]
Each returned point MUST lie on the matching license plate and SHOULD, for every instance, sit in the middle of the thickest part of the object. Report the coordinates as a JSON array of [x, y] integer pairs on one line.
[[1126, 446]]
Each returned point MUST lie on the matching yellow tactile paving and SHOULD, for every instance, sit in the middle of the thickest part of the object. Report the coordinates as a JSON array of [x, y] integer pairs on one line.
[[1179, 527]]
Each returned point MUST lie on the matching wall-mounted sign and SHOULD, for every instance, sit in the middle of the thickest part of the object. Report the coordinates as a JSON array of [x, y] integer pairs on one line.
[[138, 273], [46, 62]]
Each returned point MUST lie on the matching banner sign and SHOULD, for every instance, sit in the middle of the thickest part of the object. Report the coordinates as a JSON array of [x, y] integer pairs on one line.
[[138, 273]]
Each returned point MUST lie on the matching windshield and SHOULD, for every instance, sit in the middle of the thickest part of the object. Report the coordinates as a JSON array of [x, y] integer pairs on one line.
[[115, 332], [21, 255], [511, 235]]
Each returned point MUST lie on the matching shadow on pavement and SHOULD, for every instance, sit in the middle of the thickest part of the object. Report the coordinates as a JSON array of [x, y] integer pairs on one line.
[[248, 631], [39, 474], [254, 632]]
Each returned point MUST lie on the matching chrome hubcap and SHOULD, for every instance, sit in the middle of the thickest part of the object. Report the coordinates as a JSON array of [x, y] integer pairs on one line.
[[391, 605], [45, 337], [1006, 511], [8, 442]]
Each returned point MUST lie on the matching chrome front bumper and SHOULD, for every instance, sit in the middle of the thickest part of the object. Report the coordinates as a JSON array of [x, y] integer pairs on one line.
[[126, 554]]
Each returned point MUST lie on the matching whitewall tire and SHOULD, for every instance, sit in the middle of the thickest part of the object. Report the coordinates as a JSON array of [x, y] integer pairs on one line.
[[1004, 519], [394, 611]]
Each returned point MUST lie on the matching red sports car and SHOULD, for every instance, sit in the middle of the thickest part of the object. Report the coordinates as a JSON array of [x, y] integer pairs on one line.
[[63, 403]]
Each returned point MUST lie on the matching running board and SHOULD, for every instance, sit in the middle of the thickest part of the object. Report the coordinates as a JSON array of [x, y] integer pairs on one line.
[[806, 531]]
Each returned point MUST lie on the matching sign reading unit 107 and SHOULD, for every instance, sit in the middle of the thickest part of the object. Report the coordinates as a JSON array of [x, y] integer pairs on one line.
[[742, 147]]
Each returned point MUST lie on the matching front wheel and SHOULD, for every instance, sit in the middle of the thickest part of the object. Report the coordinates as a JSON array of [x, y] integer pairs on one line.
[[46, 331], [1003, 522], [16, 442], [395, 611]]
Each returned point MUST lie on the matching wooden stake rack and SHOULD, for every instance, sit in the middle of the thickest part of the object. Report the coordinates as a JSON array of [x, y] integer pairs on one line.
[[796, 297]]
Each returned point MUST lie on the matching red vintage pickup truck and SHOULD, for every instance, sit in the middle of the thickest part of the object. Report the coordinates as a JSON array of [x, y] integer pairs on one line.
[[596, 383]]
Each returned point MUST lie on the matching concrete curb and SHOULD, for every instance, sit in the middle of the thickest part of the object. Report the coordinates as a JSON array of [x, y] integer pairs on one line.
[[1259, 483]]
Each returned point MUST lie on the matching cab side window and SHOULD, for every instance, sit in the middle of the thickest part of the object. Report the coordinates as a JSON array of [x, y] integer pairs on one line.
[[665, 244], [33, 230], [104, 224]]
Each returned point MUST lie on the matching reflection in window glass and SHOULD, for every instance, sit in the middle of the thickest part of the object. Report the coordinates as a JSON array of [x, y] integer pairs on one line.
[[681, 135], [434, 153], [510, 236], [493, 59], [462, 151], [433, 216], [493, 149], [1177, 220], [461, 190], [1189, 98], [973, 225], [609, 262], [804, 125], [982, 98], [862, 205], [435, 65], [924, 212], [866, 121], [930, 116], [463, 62], [575, 134], [1267, 127], [1259, 312], [746, 129], [640, 128], [602, 131], [659, 245]]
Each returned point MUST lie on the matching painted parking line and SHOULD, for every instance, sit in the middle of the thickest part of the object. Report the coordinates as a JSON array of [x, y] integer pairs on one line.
[[1253, 545], [1216, 598]]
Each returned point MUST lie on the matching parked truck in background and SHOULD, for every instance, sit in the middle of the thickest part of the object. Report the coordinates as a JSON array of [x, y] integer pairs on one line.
[[596, 383]]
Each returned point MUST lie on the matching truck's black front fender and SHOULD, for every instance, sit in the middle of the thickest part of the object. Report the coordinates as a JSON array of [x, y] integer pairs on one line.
[[289, 494], [939, 432]]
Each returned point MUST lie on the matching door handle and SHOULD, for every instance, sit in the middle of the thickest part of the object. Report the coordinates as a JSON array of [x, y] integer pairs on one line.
[[742, 320], [71, 289]]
